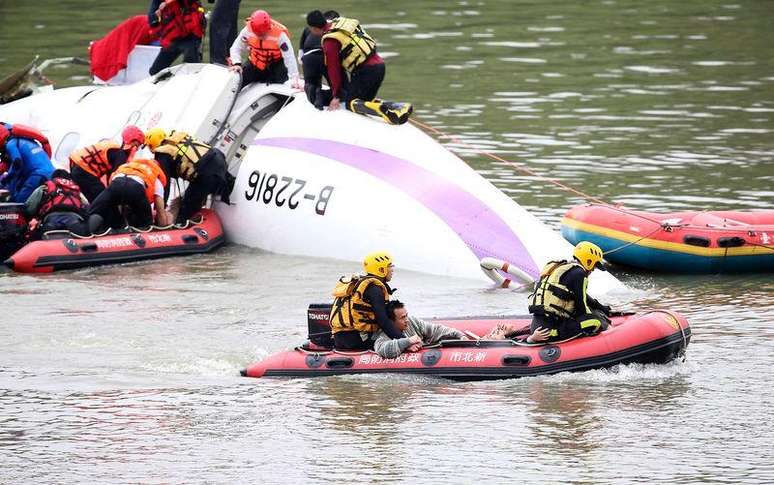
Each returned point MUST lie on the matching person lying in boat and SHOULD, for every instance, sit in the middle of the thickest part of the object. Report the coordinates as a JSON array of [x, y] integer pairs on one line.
[[57, 205], [359, 305], [204, 167], [417, 333], [91, 164], [560, 302], [136, 187]]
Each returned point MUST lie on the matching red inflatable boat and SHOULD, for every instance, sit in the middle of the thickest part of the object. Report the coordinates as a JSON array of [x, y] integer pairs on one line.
[[50, 255], [653, 337], [677, 242]]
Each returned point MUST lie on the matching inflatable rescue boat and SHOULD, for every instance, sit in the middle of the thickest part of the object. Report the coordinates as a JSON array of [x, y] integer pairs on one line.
[[317, 183], [677, 242], [655, 337], [49, 255]]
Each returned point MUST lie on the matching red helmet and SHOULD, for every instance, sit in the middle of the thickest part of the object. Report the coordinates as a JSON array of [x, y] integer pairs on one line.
[[133, 134], [260, 22]]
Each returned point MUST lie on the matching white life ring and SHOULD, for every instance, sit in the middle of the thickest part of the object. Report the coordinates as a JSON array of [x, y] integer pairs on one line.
[[492, 267]]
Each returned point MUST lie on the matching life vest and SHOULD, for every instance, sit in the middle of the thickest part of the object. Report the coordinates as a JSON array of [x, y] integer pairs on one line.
[[62, 195], [551, 297], [350, 311], [179, 19], [265, 50], [16, 130], [356, 44], [94, 158], [185, 150], [148, 170]]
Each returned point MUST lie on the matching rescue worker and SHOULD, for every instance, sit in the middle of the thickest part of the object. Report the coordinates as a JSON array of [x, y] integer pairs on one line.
[[56, 205], [560, 302], [185, 157], [417, 333], [180, 25], [25, 156], [223, 29], [359, 305], [313, 64], [347, 45], [91, 164], [271, 56], [137, 187]]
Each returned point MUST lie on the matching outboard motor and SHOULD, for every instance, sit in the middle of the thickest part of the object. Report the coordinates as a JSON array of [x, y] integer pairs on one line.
[[13, 227], [318, 320]]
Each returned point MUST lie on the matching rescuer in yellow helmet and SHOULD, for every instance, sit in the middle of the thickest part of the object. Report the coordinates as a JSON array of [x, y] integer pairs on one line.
[[560, 302], [359, 306], [203, 166]]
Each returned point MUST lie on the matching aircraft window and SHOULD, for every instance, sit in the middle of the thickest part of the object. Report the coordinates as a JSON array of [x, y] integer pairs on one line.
[[66, 146]]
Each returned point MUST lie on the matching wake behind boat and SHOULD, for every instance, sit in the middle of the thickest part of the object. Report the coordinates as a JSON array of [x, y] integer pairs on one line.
[[316, 183]]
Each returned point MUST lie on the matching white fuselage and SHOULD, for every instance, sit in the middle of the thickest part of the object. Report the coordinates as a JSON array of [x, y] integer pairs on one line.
[[316, 183]]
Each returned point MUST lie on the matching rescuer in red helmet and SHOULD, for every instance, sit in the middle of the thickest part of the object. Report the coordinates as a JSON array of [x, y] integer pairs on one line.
[[270, 53]]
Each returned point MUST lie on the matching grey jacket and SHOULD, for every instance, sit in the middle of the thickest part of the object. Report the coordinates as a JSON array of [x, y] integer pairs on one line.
[[431, 333]]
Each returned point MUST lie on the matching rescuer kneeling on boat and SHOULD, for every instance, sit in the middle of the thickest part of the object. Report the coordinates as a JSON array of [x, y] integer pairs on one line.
[[58, 205], [90, 164], [185, 157], [270, 52], [359, 308], [560, 303], [417, 333], [347, 45], [134, 188], [310, 55]]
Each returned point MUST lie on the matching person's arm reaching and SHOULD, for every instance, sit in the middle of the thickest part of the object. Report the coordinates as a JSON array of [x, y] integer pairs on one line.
[[389, 348], [432, 333], [237, 48], [374, 295], [163, 218], [331, 50], [286, 47], [32, 204]]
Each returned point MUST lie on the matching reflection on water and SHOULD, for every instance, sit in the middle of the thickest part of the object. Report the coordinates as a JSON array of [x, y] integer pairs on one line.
[[129, 373]]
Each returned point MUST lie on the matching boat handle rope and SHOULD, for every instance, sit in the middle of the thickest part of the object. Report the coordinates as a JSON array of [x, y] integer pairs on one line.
[[151, 228], [623, 246]]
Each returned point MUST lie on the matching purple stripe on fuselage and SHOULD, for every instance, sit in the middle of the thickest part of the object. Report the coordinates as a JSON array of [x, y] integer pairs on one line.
[[479, 227]]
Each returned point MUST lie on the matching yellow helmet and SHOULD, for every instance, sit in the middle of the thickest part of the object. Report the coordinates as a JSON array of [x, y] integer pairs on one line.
[[377, 263], [589, 255], [154, 137]]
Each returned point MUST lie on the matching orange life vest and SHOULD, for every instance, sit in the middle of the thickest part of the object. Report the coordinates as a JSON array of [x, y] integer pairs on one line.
[[94, 158], [180, 18], [148, 170], [265, 50]]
